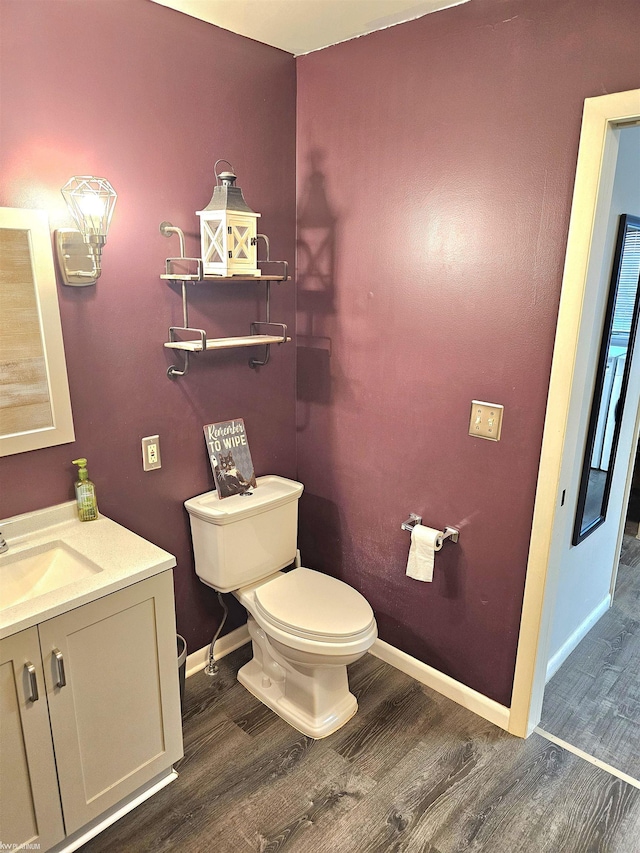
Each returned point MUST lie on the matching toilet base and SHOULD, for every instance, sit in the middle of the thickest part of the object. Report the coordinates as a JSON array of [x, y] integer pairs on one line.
[[271, 694]]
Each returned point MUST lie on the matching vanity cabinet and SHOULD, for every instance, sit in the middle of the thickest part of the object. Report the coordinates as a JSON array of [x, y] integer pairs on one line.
[[108, 711]]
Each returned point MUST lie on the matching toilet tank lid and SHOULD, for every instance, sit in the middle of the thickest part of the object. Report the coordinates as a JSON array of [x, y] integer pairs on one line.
[[270, 493]]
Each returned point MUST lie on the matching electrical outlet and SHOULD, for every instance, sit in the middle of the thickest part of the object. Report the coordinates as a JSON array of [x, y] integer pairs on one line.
[[486, 420], [151, 453]]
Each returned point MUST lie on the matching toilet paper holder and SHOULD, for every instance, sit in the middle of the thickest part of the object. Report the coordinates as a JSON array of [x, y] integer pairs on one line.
[[413, 520]]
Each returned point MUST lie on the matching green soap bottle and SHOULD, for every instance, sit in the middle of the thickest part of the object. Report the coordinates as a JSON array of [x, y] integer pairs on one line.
[[85, 493]]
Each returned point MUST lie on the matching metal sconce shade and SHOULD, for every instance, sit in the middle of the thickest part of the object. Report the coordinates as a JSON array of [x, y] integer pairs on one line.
[[91, 202]]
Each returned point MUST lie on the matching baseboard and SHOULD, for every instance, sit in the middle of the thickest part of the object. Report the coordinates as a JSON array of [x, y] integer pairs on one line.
[[86, 833], [456, 691], [438, 681], [581, 631], [224, 646]]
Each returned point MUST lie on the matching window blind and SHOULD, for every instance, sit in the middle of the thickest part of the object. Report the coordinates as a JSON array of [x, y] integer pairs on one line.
[[627, 281]]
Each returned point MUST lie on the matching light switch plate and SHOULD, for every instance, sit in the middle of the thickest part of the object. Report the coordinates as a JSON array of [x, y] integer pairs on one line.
[[486, 420], [151, 453]]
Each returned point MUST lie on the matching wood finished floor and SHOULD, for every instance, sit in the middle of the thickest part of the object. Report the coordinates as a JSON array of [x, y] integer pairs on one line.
[[593, 701], [412, 772]]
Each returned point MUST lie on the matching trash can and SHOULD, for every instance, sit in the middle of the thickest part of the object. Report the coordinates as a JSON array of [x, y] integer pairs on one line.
[[182, 664]]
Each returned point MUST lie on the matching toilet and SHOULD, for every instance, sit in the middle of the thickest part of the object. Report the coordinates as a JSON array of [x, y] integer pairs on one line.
[[306, 627]]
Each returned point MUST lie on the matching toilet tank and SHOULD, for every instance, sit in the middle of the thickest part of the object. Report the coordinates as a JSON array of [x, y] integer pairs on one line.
[[243, 538]]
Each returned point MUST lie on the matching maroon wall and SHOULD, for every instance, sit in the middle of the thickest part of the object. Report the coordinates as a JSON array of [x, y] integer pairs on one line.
[[150, 98], [436, 162]]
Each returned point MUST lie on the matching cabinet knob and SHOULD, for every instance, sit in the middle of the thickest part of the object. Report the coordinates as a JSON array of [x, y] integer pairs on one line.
[[33, 683], [60, 666]]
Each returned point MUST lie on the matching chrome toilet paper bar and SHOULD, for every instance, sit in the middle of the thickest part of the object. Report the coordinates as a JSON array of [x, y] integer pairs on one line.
[[413, 520]]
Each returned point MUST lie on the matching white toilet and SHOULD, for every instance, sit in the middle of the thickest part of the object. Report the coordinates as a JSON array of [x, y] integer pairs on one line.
[[306, 627]]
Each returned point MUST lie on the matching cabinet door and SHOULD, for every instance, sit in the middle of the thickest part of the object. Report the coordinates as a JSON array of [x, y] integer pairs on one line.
[[29, 800], [114, 701]]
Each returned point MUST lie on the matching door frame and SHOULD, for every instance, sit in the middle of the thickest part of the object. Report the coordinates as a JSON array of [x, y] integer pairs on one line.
[[597, 156]]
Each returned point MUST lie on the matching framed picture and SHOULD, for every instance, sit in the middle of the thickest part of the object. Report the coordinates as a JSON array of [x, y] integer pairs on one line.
[[230, 457], [35, 407]]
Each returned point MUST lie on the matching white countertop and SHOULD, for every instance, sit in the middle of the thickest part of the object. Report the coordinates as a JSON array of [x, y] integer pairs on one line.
[[123, 557]]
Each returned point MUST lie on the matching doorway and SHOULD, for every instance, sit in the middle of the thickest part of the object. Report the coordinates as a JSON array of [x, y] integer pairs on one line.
[[588, 561], [580, 314], [591, 701], [593, 681]]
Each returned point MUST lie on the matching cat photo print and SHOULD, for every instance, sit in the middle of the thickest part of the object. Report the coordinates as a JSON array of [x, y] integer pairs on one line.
[[230, 457]]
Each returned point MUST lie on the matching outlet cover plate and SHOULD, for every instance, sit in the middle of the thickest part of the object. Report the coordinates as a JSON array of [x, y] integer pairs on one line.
[[486, 420], [151, 453]]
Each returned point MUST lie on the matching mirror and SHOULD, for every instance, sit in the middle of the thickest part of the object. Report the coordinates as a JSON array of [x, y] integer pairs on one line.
[[614, 364], [35, 408]]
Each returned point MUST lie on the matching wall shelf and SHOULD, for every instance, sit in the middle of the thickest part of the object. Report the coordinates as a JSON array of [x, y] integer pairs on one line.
[[200, 278], [189, 271], [227, 343]]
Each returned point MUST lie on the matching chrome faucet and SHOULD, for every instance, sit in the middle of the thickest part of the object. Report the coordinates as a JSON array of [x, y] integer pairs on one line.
[[3, 544]]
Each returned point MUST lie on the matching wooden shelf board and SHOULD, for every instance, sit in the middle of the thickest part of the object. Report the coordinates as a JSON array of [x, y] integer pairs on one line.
[[176, 277], [227, 343], [195, 278]]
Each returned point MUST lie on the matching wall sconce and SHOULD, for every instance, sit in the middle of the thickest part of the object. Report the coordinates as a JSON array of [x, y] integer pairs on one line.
[[90, 201], [228, 229]]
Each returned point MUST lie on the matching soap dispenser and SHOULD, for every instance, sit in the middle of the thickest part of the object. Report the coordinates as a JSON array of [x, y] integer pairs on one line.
[[85, 493]]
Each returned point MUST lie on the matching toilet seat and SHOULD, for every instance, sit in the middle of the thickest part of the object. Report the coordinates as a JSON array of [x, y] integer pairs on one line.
[[310, 608]]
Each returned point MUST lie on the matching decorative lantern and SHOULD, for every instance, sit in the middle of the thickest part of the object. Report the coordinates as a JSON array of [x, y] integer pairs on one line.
[[228, 229]]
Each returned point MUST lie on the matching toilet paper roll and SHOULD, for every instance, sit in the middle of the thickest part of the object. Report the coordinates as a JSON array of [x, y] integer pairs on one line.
[[425, 541]]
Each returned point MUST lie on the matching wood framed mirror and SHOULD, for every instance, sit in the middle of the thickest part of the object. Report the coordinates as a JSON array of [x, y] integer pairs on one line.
[[35, 407], [612, 377]]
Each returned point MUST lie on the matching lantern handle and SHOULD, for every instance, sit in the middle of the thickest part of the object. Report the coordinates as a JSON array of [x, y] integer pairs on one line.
[[216, 166]]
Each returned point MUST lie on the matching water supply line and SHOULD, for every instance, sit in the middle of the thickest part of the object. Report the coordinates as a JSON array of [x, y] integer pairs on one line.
[[212, 667]]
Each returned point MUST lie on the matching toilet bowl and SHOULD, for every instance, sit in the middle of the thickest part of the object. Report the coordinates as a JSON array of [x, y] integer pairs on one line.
[[306, 627]]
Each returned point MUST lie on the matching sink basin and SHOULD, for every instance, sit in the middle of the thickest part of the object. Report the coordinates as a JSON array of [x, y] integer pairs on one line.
[[41, 569], [56, 563]]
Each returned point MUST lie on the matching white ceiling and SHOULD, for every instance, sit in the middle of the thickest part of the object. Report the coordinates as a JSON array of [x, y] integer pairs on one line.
[[300, 26]]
